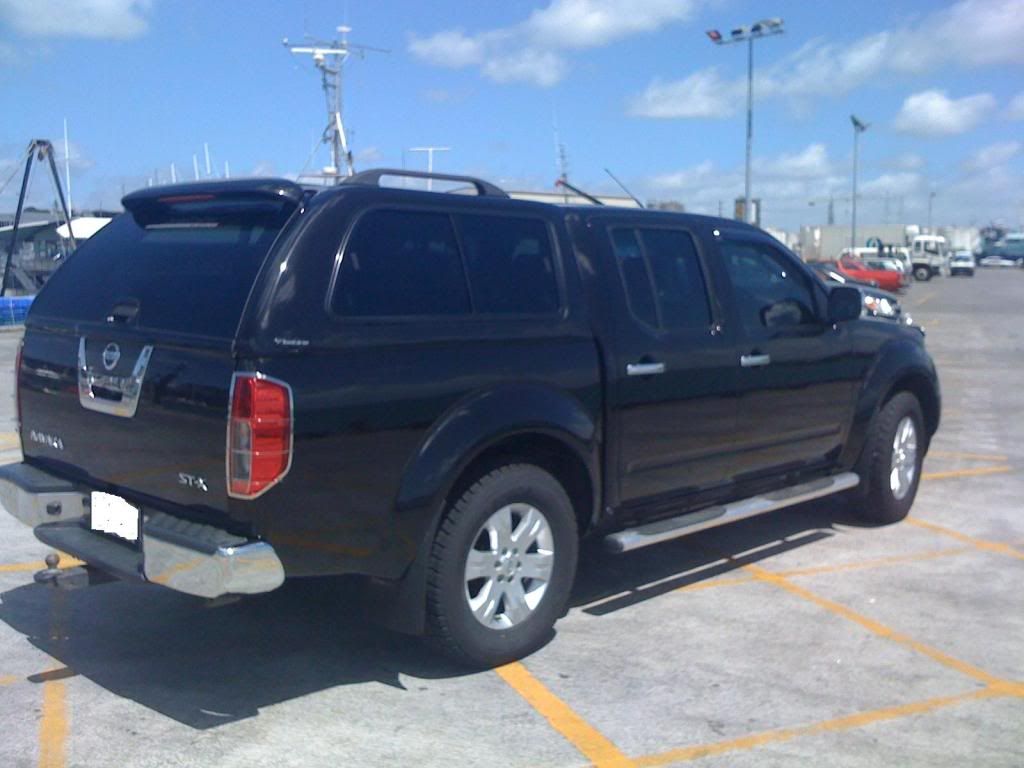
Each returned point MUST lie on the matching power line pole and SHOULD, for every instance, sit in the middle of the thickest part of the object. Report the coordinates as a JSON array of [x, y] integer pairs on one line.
[[329, 57], [763, 28]]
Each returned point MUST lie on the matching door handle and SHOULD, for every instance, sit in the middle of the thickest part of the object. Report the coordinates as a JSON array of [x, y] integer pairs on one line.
[[753, 361], [644, 369]]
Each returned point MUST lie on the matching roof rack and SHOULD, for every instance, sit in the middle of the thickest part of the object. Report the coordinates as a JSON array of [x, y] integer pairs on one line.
[[373, 177]]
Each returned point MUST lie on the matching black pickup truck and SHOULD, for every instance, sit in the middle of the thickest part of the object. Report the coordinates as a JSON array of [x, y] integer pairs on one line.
[[241, 381]]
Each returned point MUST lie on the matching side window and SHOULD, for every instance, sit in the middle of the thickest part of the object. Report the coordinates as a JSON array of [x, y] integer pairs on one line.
[[401, 263], [510, 263], [768, 291], [635, 277], [682, 294]]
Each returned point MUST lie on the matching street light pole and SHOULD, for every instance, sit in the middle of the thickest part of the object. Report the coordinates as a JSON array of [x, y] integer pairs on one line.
[[762, 28], [747, 213], [931, 196], [430, 160], [858, 129]]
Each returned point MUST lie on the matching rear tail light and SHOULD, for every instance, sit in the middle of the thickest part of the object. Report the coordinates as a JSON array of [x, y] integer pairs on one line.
[[259, 434]]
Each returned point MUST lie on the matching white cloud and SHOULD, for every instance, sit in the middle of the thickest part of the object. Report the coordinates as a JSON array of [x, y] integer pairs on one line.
[[114, 19], [531, 51], [992, 156], [590, 23], [893, 184], [703, 94], [811, 163], [933, 113], [908, 161], [969, 33], [451, 48], [1016, 109], [541, 68], [787, 182]]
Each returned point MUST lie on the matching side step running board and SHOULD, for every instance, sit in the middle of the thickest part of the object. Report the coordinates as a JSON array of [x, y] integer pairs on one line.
[[691, 522]]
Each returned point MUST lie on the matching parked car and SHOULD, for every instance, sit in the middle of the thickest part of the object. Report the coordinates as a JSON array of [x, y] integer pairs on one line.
[[887, 279], [891, 265], [236, 382], [962, 263], [828, 271]]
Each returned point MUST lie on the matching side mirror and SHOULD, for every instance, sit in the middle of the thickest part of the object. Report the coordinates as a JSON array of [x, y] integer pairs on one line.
[[844, 303]]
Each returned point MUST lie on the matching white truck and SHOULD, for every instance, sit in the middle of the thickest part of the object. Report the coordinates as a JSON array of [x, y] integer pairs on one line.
[[930, 256]]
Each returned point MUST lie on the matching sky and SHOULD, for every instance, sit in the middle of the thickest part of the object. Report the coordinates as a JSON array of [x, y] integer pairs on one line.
[[634, 86]]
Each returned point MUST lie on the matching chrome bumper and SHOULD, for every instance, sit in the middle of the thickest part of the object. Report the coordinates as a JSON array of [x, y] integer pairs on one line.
[[187, 557]]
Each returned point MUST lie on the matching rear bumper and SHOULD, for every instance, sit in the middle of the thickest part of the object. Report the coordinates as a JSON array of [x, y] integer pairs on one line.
[[187, 557]]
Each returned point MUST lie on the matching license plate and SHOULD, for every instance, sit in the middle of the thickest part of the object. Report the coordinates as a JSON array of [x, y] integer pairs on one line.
[[112, 514]]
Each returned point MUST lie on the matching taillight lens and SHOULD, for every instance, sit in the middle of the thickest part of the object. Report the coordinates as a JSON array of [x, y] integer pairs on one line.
[[259, 434]]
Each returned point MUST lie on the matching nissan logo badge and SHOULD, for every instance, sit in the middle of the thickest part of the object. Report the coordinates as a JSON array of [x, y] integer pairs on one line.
[[111, 354]]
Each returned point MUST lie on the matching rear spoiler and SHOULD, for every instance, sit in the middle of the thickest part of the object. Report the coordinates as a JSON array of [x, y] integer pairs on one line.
[[210, 197]]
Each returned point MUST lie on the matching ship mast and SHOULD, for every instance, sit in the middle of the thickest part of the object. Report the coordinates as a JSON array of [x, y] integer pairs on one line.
[[329, 57]]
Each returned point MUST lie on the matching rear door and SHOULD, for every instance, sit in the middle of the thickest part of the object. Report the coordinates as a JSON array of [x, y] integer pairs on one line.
[[671, 377], [127, 359], [797, 375]]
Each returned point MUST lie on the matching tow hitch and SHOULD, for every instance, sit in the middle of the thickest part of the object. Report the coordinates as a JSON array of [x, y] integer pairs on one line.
[[69, 578]]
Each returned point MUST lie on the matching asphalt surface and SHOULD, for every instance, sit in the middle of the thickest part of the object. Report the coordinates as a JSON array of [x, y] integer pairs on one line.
[[798, 638]]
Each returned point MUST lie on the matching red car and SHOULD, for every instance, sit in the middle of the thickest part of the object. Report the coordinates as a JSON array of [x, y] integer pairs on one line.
[[854, 268]]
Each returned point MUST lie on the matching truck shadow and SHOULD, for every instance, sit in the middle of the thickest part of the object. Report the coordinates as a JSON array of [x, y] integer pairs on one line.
[[607, 583], [205, 667]]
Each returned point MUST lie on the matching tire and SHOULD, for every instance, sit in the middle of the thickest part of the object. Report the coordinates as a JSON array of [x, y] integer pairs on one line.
[[886, 493], [502, 615], [922, 274]]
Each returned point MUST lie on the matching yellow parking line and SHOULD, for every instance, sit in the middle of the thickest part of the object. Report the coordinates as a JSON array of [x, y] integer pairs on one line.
[[8, 679], [845, 723], [990, 546], [9, 441], [66, 561], [53, 721], [923, 300], [53, 726], [875, 627], [999, 470], [969, 456], [815, 570], [876, 563], [577, 731]]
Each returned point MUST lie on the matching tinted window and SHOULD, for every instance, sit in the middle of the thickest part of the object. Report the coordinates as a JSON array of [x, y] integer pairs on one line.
[[401, 263], [185, 276], [682, 295], [635, 277], [510, 264], [770, 292]]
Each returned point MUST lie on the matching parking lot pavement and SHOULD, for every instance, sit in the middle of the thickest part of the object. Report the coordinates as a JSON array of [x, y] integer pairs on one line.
[[799, 638]]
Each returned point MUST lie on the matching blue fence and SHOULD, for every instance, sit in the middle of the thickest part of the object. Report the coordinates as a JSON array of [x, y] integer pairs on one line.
[[14, 308]]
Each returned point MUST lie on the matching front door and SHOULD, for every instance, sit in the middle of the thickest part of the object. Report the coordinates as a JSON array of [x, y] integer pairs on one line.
[[672, 376], [796, 373]]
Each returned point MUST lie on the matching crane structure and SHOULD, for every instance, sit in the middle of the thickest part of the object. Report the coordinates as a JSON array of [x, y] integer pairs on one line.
[[329, 57], [42, 151]]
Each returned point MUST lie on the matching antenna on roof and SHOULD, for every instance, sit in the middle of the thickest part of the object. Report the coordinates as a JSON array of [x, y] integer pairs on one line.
[[329, 57], [624, 189]]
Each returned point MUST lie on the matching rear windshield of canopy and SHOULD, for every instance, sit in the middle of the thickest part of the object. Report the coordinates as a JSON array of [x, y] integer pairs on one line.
[[188, 268]]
